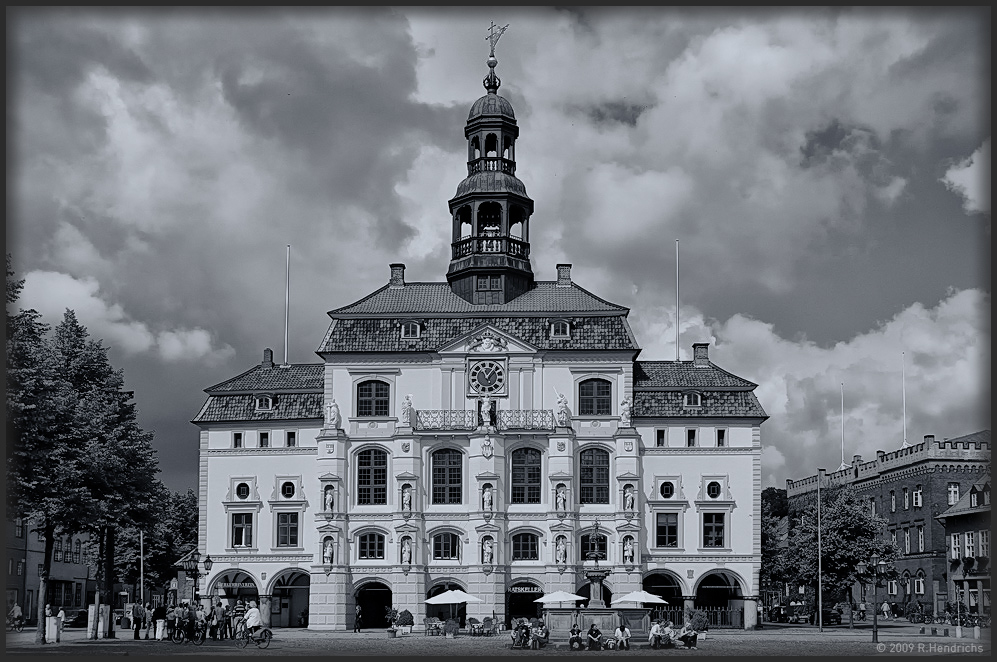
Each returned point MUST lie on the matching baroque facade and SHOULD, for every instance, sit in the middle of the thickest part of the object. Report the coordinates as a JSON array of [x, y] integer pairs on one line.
[[490, 432], [911, 487]]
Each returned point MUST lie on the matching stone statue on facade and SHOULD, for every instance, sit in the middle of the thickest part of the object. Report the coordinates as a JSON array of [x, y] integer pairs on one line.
[[327, 552], [486, 499], [406, 498], [486, 552], [562, 498], [332, 416], [625, 409], [628, 498], [628, 550], [407, 551], [330, 498], [562, 414], [406, 414], [561, 551]]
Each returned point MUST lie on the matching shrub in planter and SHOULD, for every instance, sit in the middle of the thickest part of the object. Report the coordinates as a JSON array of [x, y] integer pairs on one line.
[[451, 627], [405, 620], [698, 619]]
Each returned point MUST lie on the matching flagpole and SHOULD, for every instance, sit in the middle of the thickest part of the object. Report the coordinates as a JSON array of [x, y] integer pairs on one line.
[[287, 296], [141, 567], [903, 385], [843, 465], [676, 300]]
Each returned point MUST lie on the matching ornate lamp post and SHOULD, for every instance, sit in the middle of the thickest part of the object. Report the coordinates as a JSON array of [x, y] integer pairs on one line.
[[875, 569], [191, 566]]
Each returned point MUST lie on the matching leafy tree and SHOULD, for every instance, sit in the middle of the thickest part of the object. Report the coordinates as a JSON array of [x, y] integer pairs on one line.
[[776, 500], [849, 535], [774, 531], [173, 534]]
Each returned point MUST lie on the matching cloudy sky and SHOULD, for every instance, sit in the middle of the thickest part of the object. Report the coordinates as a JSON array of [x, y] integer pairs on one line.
[[825, 171]]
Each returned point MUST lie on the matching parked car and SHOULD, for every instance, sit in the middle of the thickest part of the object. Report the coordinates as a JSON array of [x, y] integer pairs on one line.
[[831, 617], [778, 614], [76, 618]]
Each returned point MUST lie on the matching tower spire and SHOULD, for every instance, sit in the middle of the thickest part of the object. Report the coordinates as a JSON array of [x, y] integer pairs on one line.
[[492, 81]]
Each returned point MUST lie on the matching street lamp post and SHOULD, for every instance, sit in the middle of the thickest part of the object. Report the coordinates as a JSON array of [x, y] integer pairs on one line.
[[874, 568], [191, 566]]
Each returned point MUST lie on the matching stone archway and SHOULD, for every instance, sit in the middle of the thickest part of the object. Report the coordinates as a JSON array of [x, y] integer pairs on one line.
[[665, 586], [443, 612], [374, 599], [718, 589], [233, 585], [519, 600], [289, 604]]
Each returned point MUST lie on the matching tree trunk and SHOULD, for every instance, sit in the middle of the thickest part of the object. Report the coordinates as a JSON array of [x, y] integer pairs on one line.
[[48, 531], [109, 576], [99, 595]]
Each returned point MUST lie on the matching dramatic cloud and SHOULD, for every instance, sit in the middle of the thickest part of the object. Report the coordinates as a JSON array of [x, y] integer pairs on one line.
[[971, 180], [805, 159]]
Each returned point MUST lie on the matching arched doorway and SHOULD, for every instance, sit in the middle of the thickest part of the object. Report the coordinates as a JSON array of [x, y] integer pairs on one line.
[[374, 599], [717, 590], [519, 601], [443, 612], [233, 585], [664, 586], [586, 592], [290, 597]]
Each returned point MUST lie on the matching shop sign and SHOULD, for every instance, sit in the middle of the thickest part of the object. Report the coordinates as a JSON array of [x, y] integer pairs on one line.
[[525, 588], [236, 585]]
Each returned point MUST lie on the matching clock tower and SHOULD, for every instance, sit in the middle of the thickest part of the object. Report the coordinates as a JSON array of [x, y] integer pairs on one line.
[[490, 249]]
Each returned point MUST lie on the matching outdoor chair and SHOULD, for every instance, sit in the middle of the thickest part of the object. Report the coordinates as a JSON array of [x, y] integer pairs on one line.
[[433, 626], [488, 626], [474, 627]]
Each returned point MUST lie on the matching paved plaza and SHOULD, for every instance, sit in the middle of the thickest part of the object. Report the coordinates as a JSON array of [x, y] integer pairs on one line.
[[895, 639]]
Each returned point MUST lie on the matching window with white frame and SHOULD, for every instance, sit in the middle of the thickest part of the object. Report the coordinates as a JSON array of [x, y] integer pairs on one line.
[[446, 547], [906, 499], [893, 537], [692, 399], [660, 438], [920, 538], [917, 496], [560, 329], [525, 547], [973, 500], [872, 506], [373, 398], [919, 584], [242, 529], [594, 476], [370, 546], [372, 477], [595, 397], [447, 467], [892, 587], [19, 527], [264, 440], [236, 440], [713, 529], [690, 437], [970, 543], [264, 403], [410, 330], [956, 545], [893, 501], [287, 529], [721, 437], [953, 493], [906, 541], [985, 543], [666, 532], [292, 438]]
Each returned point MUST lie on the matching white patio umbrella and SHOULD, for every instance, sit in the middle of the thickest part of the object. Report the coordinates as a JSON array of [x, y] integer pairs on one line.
[[640, 596], [560, 596], [452, 597]]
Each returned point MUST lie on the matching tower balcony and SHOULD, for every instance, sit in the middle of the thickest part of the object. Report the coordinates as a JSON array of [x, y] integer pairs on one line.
[[466, 419], [484, 245], [491, 164]]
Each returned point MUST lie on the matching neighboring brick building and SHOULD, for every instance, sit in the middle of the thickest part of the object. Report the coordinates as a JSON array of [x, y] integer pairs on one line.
[[967, 531], [910, 487]]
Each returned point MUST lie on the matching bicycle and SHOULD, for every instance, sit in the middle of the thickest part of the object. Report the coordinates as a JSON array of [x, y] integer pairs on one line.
[[243, 637], [179, 635], [15, 624]]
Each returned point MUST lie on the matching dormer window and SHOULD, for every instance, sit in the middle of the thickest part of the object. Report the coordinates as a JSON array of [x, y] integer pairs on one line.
[[560, 329], [692, 400], [973, 500], [264, 403], [410, 330]]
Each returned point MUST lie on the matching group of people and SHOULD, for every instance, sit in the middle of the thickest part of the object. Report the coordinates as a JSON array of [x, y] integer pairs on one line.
[[532, 634], [663, 635], [219, 621], [595, 641]]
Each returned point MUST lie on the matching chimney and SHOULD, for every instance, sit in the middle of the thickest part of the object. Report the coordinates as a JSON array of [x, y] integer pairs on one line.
[[397, 275], [563, 275], [701, 354], [929, 439], [267, 358]]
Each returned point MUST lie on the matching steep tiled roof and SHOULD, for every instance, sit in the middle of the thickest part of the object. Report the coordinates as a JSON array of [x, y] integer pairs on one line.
[[430, 298], [383, 335], [682, 374], [295, 377], [287, 406], [718, 403]]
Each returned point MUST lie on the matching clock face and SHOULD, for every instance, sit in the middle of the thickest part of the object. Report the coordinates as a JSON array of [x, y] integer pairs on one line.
[[487, 376]]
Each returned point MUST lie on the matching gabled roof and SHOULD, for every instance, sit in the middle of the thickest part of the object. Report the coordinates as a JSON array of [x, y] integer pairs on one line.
[[437, 298], [383, 335], [654, 404], [684, 375], [242, 407], [294, 377], [963, 507]]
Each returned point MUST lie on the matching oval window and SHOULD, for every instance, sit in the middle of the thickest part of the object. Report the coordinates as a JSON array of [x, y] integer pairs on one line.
[[287, 489], [713, 489], [242, 490], [667, 490]]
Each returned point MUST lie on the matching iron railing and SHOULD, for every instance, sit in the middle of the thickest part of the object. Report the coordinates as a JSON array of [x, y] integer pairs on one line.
[[473, 245], [506, 419], [491, 164]]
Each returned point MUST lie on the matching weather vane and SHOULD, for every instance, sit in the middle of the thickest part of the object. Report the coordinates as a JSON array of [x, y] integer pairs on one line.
[[494, 36]]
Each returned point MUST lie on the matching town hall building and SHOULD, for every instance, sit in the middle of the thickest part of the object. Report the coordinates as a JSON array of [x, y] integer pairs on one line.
[[490, 432]]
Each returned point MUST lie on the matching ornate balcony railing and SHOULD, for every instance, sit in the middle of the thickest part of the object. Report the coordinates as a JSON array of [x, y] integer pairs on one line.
[[525, 419], [507, 245], [445, 419], [506, 419], [491, 164]]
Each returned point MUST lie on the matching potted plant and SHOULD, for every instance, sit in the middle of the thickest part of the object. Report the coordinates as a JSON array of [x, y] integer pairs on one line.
[[450, 628], [405, 621], [391, 614]]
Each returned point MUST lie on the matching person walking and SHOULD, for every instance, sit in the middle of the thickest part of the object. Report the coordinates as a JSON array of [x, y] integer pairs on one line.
[[217, 621], [138, 614], [159, 622], [227, 622], [62, 618], [356, 620], [150, 623], [886, 610], [171, 621], [238, 614]]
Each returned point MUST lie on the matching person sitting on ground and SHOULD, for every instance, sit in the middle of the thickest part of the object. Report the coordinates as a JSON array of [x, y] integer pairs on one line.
[[687, 635], [654, 635], [622, 635], [668, 635], [595, 638], [575, 637], [254, 620], [542, 635]]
